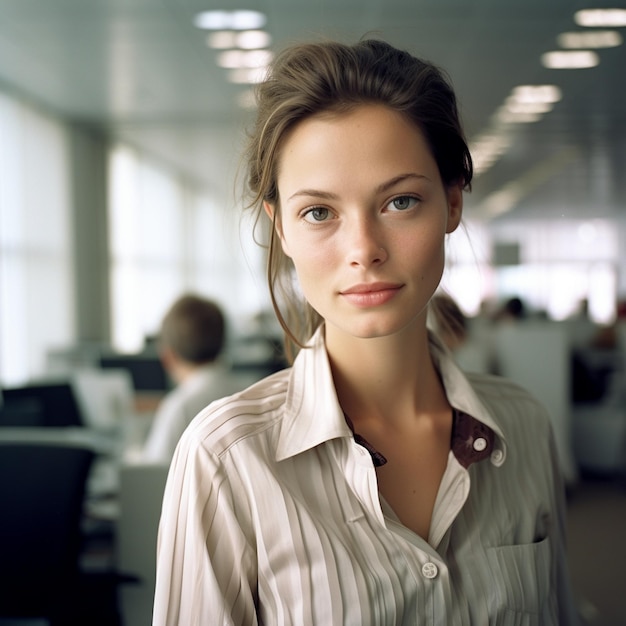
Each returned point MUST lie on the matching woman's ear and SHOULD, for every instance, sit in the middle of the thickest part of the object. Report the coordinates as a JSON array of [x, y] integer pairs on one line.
[[455, 207], [270, 210]]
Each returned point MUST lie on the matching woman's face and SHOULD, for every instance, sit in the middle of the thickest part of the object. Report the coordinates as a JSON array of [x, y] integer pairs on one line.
[[363, 216]]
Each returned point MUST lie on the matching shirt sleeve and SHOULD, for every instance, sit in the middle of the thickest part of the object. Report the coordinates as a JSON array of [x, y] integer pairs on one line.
[[206, 572]]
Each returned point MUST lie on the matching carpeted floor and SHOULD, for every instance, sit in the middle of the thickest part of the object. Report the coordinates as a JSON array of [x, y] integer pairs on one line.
[[597, 549]]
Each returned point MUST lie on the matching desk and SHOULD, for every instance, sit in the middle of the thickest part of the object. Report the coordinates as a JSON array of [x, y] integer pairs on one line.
[[100, 443]]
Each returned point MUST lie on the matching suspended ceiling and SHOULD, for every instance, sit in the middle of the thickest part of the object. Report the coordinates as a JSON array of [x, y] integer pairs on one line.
[[139, 70]]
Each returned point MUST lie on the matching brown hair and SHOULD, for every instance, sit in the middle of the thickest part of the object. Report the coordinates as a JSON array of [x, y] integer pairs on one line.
[[194, 329], [309, 79]]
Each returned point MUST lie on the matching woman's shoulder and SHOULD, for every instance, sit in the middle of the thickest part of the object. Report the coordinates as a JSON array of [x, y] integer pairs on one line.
[[241, 415], [508, 401], [495, 386]]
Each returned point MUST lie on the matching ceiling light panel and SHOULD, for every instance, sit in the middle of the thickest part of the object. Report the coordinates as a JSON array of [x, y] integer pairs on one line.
[[525, 104], [253, 39], [600, 18], [536, 93], [504, 115], [590, 39], [570, 59], [515, 107], [230, 20], [222, 40]]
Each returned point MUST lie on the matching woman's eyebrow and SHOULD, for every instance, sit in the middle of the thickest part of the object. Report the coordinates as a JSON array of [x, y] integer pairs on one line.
[[388, 184], [316, 193], [400, 179]]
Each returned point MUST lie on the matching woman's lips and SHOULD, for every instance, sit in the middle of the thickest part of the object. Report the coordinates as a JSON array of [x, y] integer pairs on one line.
[[370, 295]]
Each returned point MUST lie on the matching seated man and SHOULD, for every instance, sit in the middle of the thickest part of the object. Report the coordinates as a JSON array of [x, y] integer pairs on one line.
[[190, 342]]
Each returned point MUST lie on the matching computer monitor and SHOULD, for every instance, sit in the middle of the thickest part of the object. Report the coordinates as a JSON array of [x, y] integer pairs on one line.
[[46, 404], [146, 371], [21, 412], [105, 397]]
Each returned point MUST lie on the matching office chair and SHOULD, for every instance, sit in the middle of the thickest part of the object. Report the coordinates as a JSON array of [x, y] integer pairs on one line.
[[42, 487]]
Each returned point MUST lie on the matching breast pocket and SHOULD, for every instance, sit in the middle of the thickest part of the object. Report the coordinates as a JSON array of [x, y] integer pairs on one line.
[[522, 583]]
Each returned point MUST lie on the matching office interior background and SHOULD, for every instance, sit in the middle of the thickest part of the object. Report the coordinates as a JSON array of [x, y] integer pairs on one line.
[[121, 127]]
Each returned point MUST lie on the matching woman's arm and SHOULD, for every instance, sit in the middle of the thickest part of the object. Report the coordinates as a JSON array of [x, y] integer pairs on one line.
[[206, 569]]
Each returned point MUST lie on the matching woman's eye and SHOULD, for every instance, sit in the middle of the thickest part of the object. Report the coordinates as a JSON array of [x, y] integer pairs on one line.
[[402, 203], [317, 214]]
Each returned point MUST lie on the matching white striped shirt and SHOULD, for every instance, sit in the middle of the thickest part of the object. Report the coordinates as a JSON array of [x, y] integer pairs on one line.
[[272, 515]]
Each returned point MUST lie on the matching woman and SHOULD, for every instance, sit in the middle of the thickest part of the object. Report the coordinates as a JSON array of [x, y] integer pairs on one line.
[[372, 482]]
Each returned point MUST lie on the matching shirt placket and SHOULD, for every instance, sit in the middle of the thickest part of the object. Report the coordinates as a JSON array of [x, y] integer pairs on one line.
[[427, 569], [453, 491], [430, 575]]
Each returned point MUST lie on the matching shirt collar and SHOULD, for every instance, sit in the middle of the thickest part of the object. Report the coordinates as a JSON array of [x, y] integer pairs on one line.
[[202, 373], [312, 413], [460, 392]]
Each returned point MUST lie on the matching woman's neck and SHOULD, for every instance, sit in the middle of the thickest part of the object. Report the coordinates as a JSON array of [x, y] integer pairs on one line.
[[387, 379]]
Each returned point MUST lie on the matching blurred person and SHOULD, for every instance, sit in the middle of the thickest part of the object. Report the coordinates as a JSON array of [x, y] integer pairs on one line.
[[189, 344], [372, 482], [513, 310]]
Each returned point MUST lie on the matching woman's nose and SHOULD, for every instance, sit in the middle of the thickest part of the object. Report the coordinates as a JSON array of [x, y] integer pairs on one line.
[[365, 244]]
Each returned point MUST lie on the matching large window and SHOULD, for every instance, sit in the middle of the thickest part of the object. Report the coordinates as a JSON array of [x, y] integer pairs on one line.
[[167, 238], [555, 267], [147, 252], [226, 262], [563, 265], [36, 286]]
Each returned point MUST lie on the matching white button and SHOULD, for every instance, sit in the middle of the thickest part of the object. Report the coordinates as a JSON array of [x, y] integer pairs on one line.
[[497, 456], [480, 443], [429, 570]]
